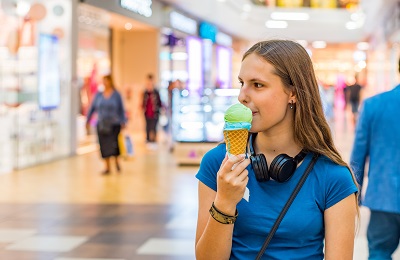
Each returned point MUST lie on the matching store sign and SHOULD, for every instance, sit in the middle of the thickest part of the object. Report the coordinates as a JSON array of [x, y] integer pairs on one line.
[[183, 23], [142, 7], [208, 31]]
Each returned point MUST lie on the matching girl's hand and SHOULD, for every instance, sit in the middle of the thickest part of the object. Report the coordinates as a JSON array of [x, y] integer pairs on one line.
[[232, 179]]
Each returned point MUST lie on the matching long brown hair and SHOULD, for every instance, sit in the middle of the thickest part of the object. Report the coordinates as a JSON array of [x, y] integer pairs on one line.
[[293, 65]]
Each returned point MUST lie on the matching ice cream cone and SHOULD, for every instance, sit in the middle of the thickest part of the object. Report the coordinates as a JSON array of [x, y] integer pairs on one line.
[[236, 129], [236, 141]]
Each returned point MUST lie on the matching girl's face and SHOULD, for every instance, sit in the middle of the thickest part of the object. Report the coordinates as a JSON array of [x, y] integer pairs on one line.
[[263, 92]]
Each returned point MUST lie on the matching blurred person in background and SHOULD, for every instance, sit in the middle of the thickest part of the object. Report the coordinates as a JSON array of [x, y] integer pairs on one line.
[[376, 143], [110, 120], [329, 90], [353, 96], [151, 105]]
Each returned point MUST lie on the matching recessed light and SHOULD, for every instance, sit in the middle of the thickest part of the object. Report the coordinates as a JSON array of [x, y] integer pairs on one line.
[[128, 26], [290, 16], [276, 24]]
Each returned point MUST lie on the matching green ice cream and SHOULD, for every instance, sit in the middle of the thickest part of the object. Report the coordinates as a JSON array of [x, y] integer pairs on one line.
[[238, 116]]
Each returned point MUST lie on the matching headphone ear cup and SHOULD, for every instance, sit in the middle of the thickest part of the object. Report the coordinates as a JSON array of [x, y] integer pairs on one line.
[[260, 167], [282, 168]]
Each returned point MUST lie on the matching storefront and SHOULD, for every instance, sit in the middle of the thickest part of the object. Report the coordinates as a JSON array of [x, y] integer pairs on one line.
[[36, 68], [119, 38]]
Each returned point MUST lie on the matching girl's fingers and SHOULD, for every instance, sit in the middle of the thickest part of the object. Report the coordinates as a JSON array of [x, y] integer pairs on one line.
[[231, 161]]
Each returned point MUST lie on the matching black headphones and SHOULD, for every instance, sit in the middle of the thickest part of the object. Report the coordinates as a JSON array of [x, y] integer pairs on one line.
[[281, 169]]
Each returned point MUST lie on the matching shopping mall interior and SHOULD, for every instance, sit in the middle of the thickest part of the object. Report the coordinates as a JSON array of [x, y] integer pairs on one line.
[[56, 204]]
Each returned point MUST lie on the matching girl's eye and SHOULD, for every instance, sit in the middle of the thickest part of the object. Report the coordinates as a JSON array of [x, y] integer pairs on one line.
[[241, 83], [258, 85]]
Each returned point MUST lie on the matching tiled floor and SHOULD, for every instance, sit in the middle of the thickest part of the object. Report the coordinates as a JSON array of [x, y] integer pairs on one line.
[[66, 210]]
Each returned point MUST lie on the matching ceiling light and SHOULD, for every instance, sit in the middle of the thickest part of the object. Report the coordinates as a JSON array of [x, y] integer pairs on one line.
[[276, 24], [319, 44], [290, 16], [128, 26]]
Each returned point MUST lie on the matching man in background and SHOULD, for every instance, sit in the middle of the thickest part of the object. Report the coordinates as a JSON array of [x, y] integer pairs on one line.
[[352, 93], [377, 143], [151, 105]]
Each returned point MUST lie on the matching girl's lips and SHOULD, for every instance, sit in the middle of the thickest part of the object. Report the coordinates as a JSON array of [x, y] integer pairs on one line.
[[253, 113]]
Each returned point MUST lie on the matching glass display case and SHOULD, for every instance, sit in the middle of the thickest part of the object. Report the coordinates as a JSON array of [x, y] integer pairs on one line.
[[198, 121]]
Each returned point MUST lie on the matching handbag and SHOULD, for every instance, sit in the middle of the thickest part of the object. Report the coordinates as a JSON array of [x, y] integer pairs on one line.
[[105, 126], [286, 207]]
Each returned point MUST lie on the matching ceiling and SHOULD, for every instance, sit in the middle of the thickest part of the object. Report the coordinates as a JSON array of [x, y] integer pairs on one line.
[[324, 24]]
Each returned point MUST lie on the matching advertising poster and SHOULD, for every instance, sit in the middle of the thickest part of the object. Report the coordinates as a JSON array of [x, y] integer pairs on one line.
[[49, 72]]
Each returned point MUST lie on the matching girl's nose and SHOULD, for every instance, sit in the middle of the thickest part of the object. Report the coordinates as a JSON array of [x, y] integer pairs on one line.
[[243, 98]]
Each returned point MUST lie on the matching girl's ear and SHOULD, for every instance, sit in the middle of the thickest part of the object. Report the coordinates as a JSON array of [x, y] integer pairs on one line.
[[292, 97]]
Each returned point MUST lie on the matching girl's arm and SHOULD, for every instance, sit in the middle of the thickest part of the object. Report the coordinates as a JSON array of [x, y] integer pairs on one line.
[[214, 239], [340, 225], [216, 243]]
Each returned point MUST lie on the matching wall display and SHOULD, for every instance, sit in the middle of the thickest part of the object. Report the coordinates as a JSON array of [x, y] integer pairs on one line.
[[198, 122], [49, 72], [31, 82]]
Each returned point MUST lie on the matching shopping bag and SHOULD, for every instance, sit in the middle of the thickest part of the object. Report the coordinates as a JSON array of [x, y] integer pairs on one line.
[[129, 146], [126, 147]]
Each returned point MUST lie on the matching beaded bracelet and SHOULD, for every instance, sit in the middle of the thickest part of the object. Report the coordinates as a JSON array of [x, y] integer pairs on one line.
[[221, 217]]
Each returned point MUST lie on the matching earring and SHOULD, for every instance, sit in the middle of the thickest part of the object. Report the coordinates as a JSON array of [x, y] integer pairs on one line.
[[291, 104]]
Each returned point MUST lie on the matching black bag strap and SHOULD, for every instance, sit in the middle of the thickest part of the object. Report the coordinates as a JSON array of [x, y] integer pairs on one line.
[[287, 205]]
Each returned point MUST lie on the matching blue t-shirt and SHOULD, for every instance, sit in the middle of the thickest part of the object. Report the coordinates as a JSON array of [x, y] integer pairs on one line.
[[301, 232]]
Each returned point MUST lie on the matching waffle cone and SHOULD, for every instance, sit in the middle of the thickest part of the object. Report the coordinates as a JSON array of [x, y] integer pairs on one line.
[[236, 141]]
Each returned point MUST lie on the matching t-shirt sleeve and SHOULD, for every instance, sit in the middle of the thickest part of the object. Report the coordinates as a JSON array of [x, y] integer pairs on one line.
[[339, 184], [210, 165]]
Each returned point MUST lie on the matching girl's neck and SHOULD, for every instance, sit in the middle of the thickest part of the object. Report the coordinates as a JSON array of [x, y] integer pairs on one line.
[[274, 144]]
